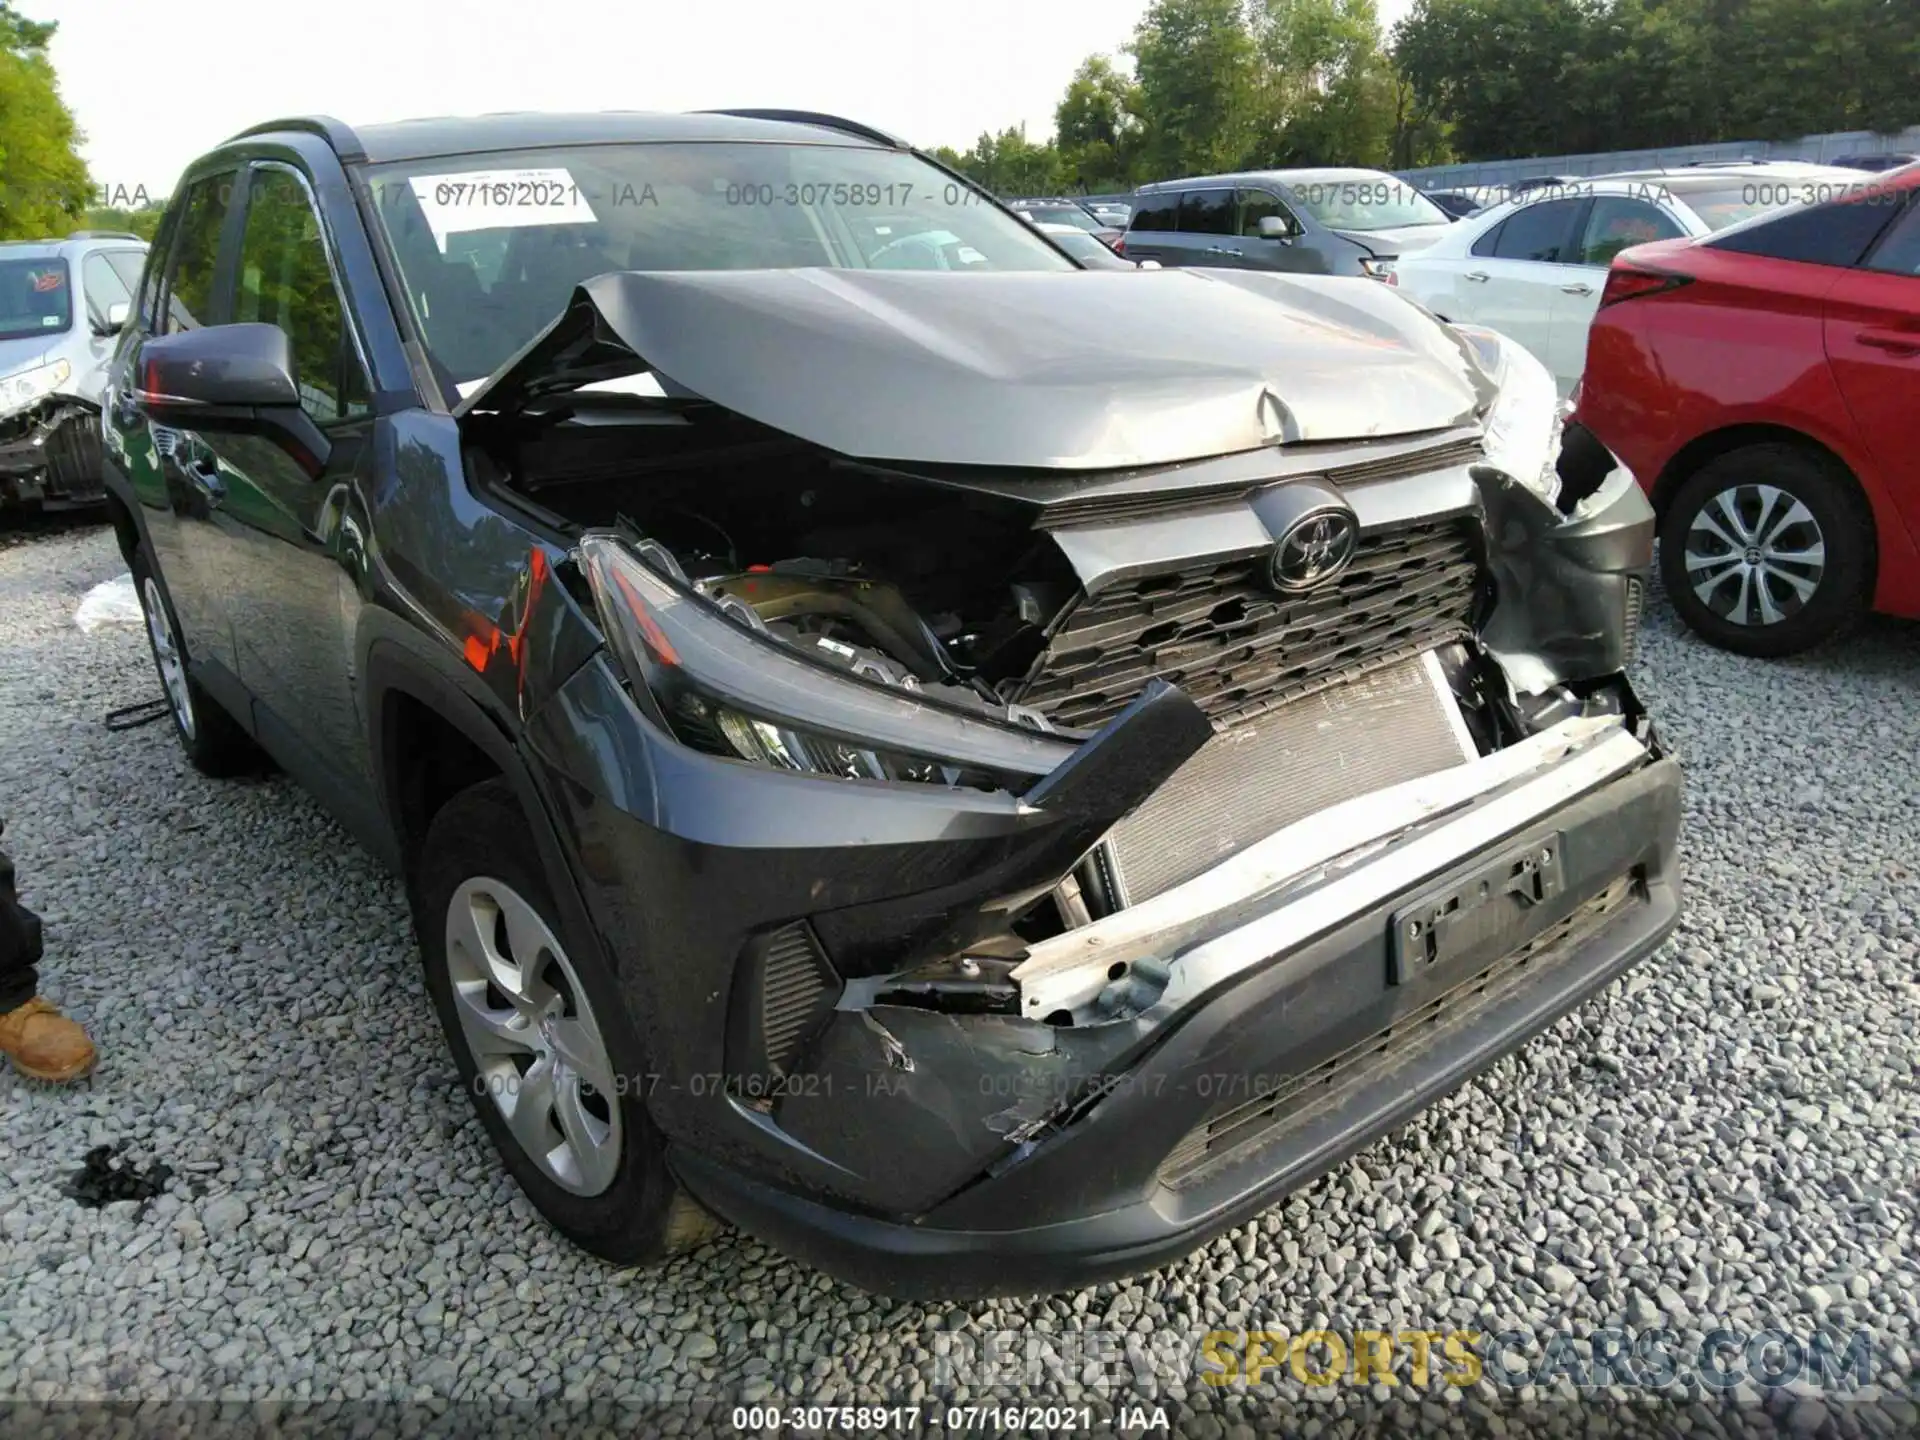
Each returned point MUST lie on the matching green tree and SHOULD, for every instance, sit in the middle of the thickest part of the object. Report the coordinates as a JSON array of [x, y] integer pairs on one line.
[[1008, 164], [44, 188], [142, 222], [1200, 84], [1097, 127], [1328, 93]]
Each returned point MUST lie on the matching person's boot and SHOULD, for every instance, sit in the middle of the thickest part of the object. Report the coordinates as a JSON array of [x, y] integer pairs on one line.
[[43, 1044]]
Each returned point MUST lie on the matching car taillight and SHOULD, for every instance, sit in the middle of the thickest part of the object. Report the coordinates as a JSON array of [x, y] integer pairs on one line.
[[1120, 245], [1629, 282]]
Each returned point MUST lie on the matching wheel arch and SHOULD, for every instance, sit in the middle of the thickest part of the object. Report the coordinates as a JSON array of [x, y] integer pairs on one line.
[[1703, 450]]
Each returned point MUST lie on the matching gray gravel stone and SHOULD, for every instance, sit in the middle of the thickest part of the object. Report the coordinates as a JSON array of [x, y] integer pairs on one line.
[[1729, 1138]]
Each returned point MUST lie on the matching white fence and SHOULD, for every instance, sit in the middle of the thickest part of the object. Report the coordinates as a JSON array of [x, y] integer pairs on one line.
[[1810, 147]]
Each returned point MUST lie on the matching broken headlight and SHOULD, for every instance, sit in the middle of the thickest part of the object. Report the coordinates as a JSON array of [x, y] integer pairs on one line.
[[24, 387], [1521, 429], [724, 688]]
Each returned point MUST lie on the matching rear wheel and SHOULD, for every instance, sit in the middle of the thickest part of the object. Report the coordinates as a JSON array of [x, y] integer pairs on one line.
[[213, 740], [1768, 550], [543, 1045]]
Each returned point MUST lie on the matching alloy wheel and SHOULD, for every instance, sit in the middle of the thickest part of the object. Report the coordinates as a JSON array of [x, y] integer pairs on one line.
[[1755, 554], [536, 1047], [166, 655]]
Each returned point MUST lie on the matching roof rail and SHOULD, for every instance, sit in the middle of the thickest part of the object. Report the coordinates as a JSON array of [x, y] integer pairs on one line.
[[103, 235], [816, 117], [336, 133]]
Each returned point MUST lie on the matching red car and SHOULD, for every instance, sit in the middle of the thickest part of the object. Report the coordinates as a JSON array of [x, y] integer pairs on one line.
[[1764, 385]]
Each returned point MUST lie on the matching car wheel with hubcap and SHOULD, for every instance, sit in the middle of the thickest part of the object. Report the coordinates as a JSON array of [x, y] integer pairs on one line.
[[541, 1040], [1768, 550], [213, 740]]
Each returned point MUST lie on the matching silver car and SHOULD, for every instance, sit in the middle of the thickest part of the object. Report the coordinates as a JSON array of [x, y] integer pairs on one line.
[[61, 304]]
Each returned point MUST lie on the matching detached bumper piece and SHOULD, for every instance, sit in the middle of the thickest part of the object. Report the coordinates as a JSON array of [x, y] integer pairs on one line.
[[1213, 1047], [50, 456]]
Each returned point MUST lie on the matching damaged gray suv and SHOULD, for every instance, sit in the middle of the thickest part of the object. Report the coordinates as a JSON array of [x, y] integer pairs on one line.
[[983, 808]]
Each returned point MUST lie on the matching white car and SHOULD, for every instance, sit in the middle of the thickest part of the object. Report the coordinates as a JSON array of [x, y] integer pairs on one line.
[[1533, 268]]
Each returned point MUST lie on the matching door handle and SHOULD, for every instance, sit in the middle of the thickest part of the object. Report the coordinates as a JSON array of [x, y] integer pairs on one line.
[[1579, 287], [205, 474], [1479, 277], [1894, 342]]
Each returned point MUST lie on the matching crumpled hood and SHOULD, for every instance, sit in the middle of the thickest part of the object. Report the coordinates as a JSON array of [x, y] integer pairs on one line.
[[1403, 241], [1079, 370]]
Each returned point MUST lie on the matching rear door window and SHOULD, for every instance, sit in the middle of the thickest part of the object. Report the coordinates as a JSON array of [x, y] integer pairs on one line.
[[1156, 212], [1832, 234], [1207, 212], [1537, 232], [1899, 253]]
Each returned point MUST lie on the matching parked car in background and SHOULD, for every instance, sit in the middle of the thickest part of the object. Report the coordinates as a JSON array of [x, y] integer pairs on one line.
[[1327, 222], [1112, 210], [898, 775], [1764, 383], [1889, 160], [1534, 267], [1516, 188], [1089, 250], [1457, 203], [61, 304], [1066, 212]]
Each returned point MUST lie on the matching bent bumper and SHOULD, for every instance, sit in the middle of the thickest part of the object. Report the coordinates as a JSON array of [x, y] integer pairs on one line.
[[50, 456], [1287, 1031]]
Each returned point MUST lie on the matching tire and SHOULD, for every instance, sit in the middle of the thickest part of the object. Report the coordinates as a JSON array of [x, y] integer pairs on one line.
[[1796, 512], [214, 742], [597, 1168]]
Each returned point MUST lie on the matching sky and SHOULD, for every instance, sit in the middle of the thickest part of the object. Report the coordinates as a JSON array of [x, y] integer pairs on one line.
[[153, 85]]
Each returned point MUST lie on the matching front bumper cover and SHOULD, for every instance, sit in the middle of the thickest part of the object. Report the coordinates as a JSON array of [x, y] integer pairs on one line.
[[50, 455], [1130, 1172]]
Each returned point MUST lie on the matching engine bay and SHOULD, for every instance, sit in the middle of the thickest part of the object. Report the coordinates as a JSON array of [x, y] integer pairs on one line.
[[932, 589]]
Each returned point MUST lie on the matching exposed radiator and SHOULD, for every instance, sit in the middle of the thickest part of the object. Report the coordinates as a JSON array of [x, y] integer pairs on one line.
[[1396, 723]]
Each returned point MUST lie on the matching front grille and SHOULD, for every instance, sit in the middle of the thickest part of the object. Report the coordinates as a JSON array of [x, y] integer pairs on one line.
[[1398, 723], [1238, 648], [1113, 508], [1235, 1131]]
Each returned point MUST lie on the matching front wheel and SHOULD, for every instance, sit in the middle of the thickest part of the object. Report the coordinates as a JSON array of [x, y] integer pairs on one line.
[[542, 1043], [213, 740], [1768, 550]]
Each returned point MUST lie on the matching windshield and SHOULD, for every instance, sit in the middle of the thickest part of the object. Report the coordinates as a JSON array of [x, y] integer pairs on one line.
[[35, 298], [491, 246], [1377, 202]]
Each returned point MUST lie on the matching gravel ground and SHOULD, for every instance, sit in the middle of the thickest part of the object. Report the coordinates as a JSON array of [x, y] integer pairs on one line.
[[1730, 1138]]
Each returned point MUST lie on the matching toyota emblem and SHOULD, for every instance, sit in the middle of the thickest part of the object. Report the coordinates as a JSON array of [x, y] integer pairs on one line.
[[1316, 547]]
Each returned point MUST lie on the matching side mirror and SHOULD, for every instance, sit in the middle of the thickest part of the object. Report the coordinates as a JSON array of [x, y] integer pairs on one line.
[[1149, 264], [115, 319], [1275, 227], [217, 367], [236, 378]]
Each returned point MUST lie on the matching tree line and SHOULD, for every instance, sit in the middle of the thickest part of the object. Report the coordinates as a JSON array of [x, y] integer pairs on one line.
[[1214, 85], [45, 190]]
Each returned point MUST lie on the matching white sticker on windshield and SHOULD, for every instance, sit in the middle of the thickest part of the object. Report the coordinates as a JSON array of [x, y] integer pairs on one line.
[[499, 199]]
